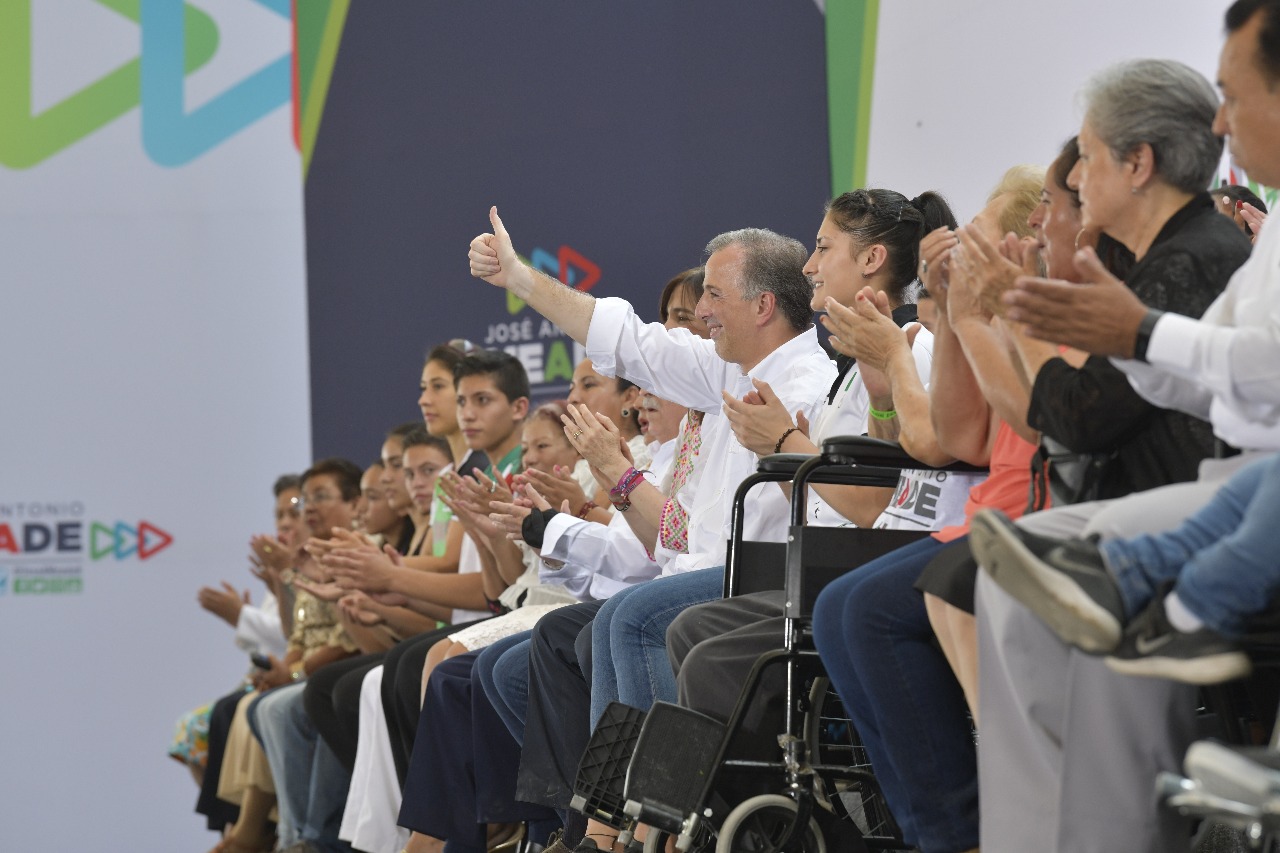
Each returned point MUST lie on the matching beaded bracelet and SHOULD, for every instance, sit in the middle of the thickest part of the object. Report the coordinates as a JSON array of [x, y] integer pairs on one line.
[[586, 508], [620, 495], [777, 448]]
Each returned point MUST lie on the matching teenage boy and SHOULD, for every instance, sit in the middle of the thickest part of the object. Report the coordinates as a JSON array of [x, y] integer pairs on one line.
[[493, 400]]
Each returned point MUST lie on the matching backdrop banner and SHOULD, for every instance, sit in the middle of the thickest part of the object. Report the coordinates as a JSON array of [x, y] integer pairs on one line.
[[616, 139], [154, 343], [167, 356]]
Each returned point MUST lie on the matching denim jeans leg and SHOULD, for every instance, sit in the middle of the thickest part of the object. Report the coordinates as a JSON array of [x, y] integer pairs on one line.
[[874, 637], [1238, 576], [289, 741], [326, 800], [629, 656], [1142, 564], [503, 671]]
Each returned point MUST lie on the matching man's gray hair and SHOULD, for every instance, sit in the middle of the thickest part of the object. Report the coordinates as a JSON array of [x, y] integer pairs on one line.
[[772, 263], [1165, 104]]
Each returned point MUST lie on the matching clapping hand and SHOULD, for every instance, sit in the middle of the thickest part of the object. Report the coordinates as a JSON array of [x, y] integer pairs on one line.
[[356, 607], [224, 603], [559, 486], [364, 568], [1100, 315], [759, 419], [325, 591], [1253, 217]]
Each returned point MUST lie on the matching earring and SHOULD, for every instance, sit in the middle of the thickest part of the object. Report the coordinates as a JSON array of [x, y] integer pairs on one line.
[[626, 413]]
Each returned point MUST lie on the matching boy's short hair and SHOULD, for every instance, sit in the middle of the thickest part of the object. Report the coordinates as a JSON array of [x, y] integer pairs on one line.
[[508, 373]]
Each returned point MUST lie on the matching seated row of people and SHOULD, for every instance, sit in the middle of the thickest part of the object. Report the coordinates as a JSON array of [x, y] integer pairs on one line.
[[1048, 341]]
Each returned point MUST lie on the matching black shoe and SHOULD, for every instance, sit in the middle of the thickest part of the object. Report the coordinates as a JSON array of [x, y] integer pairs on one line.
[[555, 844], [1063, 581], [1152, 647]]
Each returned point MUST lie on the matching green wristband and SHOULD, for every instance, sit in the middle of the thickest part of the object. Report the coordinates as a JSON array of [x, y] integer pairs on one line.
[[883, 416]]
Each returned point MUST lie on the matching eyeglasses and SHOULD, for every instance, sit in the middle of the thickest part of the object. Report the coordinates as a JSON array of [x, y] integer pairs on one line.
[[317, 498]]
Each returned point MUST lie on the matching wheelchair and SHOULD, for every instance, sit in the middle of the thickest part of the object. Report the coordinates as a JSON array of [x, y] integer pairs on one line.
[[1236, 784], [663, 768]]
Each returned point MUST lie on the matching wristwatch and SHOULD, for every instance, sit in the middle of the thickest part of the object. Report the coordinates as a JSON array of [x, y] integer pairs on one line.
[[1145, 328]]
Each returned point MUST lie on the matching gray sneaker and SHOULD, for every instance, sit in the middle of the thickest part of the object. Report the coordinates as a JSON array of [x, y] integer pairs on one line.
[[1063, 581], [1152, 647]]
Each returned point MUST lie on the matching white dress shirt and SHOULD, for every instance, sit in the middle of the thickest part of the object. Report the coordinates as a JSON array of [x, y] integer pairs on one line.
[[847, 415], [258, 629], [593, 561], [680, 367], [1224, 367]]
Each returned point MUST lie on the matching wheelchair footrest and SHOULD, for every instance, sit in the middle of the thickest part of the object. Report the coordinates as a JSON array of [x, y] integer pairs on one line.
[[675, 757], [1248, 775], [598, 789]]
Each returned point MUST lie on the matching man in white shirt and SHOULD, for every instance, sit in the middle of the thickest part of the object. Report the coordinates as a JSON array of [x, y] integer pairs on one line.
[[756, 306], [1070, 749]]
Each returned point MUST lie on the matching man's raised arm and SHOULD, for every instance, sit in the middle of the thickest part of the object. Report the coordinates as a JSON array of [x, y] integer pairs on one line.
[[494, 259]]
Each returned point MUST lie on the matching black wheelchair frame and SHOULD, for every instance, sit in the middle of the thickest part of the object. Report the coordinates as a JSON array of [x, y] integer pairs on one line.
[[661, 768]]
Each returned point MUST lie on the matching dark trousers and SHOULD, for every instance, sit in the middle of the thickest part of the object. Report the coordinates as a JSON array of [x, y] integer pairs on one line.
[[558, 724], [220, 813], [873, 633], [402, 691], [332, 700], [463, 769], [712, 648]]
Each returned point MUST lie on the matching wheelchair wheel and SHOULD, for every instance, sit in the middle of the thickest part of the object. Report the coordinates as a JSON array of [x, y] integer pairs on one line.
[[759, 825]]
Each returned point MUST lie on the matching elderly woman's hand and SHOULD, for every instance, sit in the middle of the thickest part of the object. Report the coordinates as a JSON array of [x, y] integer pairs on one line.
[[1101, 315], [597, 440], [270, 553], [935, 253], [980, 275]]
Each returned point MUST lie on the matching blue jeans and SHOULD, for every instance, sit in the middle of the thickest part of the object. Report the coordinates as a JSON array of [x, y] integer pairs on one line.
[[1223, 558], [629, 661], [503, 671], [311, 783], [873, 634]]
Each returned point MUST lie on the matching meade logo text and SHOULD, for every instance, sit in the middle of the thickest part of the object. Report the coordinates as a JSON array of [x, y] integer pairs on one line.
[[67, 538]]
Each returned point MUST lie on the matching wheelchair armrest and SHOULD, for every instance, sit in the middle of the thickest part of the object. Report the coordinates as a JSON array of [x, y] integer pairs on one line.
[[782, 463], [864, 450], [785, 466]]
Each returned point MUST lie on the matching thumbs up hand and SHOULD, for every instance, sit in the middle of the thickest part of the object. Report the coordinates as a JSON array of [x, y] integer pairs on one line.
[[494, 259]]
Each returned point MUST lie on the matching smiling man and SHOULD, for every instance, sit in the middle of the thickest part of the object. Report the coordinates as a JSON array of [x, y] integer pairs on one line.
[[755, 304]]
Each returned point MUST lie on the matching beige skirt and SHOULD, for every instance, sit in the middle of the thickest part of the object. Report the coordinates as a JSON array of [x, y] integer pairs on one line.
[[244, 764]]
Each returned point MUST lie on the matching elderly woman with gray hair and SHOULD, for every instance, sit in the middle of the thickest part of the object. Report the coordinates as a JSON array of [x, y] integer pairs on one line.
[[1069, 750]]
